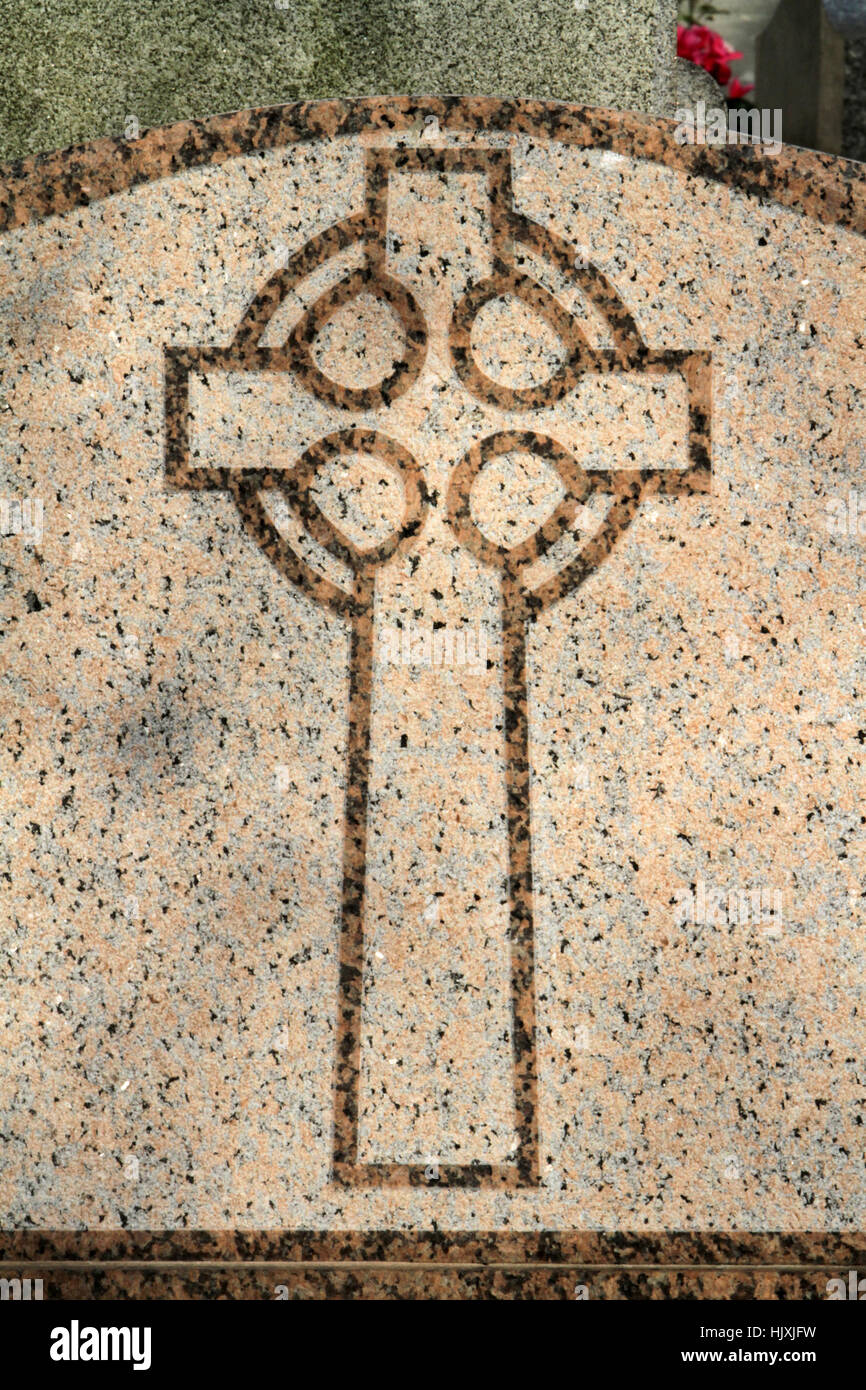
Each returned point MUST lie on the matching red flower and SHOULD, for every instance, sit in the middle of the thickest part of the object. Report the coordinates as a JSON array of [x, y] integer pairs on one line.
[[702, 45], [739, 89]]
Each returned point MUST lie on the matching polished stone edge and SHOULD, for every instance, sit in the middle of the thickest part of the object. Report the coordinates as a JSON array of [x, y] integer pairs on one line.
[[687, 1249], [95, 1280], [825, 187], [385, 1265]]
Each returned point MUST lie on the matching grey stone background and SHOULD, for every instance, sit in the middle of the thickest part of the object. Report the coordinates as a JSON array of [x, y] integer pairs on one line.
[[76, 69], [854, 116]]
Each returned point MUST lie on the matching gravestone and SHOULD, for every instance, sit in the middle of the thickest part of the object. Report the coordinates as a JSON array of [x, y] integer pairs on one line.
[[811, 64], [433, 764]]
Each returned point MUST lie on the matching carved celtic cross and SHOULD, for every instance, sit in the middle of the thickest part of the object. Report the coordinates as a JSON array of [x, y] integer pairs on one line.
[[532, 572]]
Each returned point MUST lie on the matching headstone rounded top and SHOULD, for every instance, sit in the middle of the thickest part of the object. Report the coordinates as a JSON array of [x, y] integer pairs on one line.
[[41, 185]]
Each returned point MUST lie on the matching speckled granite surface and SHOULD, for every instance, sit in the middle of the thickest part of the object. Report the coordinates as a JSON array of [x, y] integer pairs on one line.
[[432, 702]]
